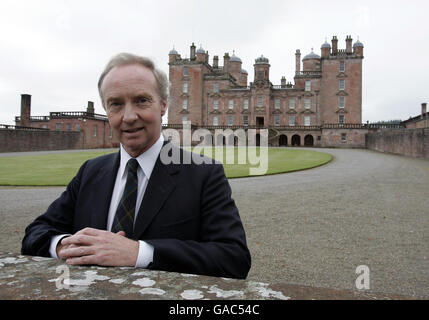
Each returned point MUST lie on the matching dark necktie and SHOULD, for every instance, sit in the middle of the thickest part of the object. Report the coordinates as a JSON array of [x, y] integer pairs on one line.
[[124, 218]]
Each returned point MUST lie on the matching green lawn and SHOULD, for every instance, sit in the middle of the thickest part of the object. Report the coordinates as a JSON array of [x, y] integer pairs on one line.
[[59, 169]]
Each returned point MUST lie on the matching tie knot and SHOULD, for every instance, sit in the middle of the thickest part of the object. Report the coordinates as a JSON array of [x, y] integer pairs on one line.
[[132, 165]]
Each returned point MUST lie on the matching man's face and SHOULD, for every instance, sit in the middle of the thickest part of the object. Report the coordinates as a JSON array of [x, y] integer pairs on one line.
[[133, 106]]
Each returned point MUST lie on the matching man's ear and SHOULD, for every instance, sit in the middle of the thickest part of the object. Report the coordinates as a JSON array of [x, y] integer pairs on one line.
[[163, 107]]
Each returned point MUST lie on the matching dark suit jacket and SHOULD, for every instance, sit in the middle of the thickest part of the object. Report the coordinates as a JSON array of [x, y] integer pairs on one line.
[[187, 215]]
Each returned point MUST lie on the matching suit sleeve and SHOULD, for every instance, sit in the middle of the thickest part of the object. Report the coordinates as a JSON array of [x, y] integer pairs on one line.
[[58, 219], [221, 250]]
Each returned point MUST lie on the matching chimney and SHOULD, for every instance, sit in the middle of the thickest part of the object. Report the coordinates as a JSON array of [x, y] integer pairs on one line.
[[90, 108], [334, 45], [25, 110], [192, 52], [283, 82], [349, 41], [297, 61], [215, 62], [423, 110], [226, 62]]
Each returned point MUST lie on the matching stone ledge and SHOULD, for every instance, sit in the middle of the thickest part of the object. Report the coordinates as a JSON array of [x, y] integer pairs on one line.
[[26, 277]]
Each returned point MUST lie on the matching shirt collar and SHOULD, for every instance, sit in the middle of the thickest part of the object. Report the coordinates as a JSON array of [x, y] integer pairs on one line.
[[146, 160]]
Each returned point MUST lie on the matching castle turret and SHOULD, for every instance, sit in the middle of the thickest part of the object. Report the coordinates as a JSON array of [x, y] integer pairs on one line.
[[201, 55], [235, 67], [173, 55], [262, 69], [358, 48], [326, 50], [311, 62]]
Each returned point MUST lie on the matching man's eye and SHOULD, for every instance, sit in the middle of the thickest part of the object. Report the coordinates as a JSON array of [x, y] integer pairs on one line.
[[143, 100], [115, 105]]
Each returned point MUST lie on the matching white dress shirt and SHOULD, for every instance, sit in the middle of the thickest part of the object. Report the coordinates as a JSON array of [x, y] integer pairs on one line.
[[146, 164]]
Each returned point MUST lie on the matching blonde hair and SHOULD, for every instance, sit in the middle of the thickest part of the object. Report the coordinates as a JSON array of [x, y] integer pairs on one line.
[[123, 59]]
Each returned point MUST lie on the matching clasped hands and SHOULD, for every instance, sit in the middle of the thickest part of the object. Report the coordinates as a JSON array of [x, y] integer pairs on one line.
[[98, 247]]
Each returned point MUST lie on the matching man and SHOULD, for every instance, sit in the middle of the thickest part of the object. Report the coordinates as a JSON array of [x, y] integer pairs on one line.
[[129, 208]]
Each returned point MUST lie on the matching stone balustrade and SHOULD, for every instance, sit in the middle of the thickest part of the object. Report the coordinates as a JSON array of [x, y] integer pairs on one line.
[[27, 277]]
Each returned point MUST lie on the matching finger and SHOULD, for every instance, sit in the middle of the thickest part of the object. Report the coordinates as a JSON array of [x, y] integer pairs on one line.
[[76, 252], [90, 232], [121, 233], [79, 240], [84, 260]]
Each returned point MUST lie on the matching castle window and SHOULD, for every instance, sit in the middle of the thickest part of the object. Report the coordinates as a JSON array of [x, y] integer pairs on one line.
[[68, 126], [216, 104], [185, 104], [95, 130], [292, 120], [231, 104], [307, 85], [276, 120], [110, 133], [342, 66], [277, 103], [246, 120], [307, 120], [341, 119], [184, 119], [260, 102], [307, 104], [341, 102], [342, 84], [185, 87], [215, 121], [185, 71], [58, 126], [216, 87], [230, 120], [246, 104], [344, 137], [292, 104], [77, 127]]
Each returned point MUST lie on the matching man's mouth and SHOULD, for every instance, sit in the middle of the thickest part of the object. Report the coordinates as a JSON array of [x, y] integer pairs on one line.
[[133, 130]]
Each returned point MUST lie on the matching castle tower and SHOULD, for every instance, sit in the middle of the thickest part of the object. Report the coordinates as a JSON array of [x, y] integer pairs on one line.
[[326, 50], [173, 55], [262, 69], [202, 56], [311, 62], [341, 83], [358, 48]]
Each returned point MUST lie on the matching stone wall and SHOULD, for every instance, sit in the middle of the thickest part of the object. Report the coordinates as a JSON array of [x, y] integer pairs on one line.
[[343, 138], [36, 140], [408, 142]]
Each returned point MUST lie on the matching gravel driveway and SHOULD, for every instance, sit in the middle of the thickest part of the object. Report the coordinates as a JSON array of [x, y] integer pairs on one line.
[[312, 227]]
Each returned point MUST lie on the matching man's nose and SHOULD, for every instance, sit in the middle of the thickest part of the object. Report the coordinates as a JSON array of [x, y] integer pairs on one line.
[[129, 114]]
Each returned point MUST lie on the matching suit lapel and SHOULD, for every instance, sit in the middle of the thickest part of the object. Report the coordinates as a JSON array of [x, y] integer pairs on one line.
[[102, 188], [160, 185]]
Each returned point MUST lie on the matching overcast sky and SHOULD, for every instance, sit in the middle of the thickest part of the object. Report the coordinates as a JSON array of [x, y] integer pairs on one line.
[[55, 50]]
